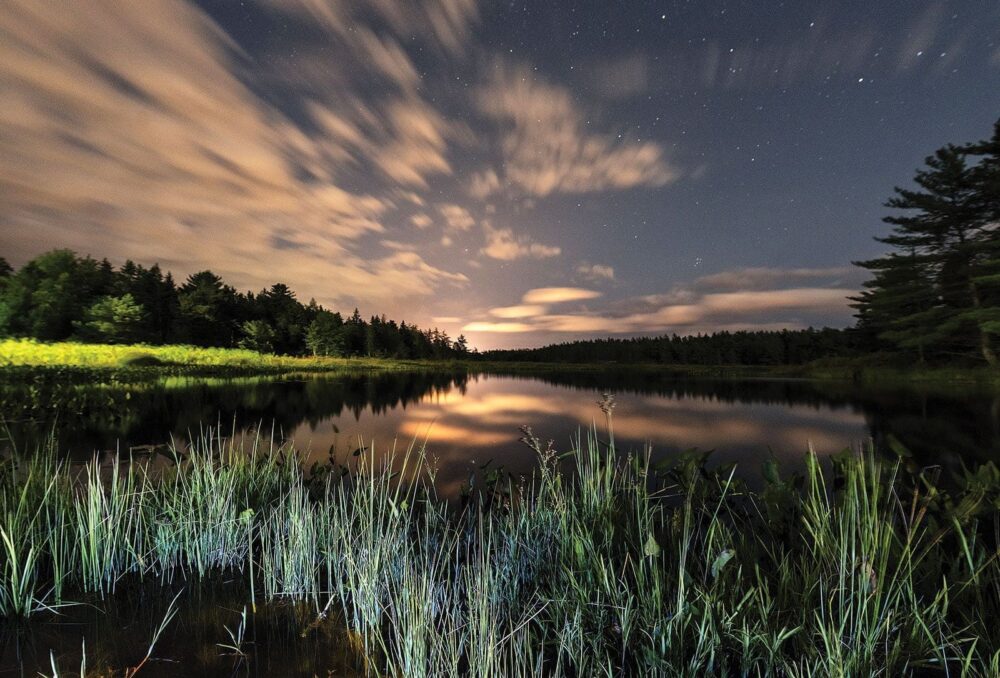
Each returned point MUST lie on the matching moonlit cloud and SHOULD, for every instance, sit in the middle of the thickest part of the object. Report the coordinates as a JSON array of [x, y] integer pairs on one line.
[[433, 159], [456, 217], [444, 24], [549, 148], [495, 327], [596, 272], [521, 311], [558, 295], [125, 131], [503, 244], [764, 278], [484, 184], [421, 220], [686, 310]]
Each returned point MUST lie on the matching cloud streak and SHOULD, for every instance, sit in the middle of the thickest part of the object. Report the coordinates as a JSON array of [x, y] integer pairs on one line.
[[126, 129], [547, 147], [698, 307], [503, 244]]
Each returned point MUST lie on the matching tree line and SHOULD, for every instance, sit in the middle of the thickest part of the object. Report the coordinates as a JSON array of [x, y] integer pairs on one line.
[[60, 296], [785, 347]]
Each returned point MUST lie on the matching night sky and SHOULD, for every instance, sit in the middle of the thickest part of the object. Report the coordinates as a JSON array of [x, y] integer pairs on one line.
[[520, 172]]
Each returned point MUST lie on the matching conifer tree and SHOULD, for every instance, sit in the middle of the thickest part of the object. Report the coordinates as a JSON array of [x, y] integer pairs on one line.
[[938, 290]]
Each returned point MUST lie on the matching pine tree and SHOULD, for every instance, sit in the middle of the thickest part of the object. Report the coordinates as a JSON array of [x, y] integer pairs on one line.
[[938, 290]]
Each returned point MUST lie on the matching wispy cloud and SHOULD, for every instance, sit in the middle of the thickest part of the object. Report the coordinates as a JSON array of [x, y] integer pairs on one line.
[[521, 311], [503, 244], [498, 327], [549, 148], [558, 295], [766, 278], [421, 220], [699, 306], [126, 129], [484, 184], [456, 217], [596, 272]]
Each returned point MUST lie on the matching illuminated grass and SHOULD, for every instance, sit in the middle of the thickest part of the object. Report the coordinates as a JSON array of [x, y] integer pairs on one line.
[[33, 354], [611, 567]]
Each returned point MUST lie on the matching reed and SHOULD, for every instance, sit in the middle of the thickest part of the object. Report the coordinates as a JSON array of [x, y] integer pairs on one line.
[[601, 564]]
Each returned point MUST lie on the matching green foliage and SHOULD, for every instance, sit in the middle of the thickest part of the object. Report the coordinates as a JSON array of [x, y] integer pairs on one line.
[[44, 298], [258, 336], [58, 296], [323, 336], [112, 320]]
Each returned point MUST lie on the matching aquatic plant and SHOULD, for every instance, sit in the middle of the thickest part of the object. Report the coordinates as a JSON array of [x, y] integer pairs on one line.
[[601, 564]]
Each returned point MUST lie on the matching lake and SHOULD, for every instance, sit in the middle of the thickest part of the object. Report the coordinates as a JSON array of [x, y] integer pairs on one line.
[[472, 421], [468, 422]]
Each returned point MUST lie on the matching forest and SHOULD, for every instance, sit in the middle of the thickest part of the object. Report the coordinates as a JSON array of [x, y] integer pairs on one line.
[[60, 295]]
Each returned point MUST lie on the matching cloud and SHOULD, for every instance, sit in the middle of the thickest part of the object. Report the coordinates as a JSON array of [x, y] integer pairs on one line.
[[501, 328], [456, 217], [547, 147], [521, 311], [558, 295], [127, 128], [697, 307], [502, 244], [764, 278], [446, 319], [596, 272], [484, 184], [418, 145], [920, 36], [421, 220], [442, 24]]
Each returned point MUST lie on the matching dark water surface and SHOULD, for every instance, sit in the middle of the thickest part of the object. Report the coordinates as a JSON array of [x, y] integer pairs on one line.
[[466, 422]]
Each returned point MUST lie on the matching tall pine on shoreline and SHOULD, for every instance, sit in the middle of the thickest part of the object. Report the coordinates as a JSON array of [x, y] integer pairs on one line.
[[937, 293]]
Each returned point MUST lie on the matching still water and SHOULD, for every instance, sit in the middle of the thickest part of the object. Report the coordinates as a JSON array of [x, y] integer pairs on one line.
[[467, 420]]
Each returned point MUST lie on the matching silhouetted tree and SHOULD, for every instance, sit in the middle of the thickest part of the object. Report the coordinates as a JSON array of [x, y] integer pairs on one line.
[[937, 291]]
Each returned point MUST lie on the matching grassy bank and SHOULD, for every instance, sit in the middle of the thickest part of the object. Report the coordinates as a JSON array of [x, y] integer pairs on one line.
[[612, 568], [143, 361], [26, 354]]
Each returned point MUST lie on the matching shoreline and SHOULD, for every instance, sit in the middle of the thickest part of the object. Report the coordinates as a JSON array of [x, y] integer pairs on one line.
[[25, 358]]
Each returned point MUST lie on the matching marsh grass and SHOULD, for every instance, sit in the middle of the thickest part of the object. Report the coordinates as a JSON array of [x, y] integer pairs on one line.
[[28, 353], [615, 566]]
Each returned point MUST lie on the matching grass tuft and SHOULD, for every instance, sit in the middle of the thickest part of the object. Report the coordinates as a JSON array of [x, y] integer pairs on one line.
[[607, 566]]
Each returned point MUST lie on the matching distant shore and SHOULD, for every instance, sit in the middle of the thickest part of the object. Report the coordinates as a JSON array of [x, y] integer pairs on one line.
[[140, 361]]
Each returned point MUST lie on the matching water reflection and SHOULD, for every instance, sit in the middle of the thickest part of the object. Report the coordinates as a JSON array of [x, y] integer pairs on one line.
[[481, 424], [467, 420]]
